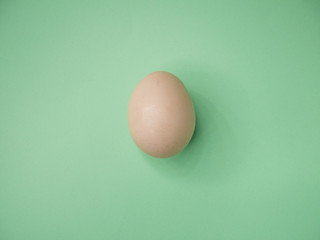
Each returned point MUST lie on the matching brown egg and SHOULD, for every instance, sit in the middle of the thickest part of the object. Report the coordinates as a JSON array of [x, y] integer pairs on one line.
[[161, 116]]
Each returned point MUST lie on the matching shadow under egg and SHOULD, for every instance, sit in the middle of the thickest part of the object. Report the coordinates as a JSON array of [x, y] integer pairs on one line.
[[211, 152]]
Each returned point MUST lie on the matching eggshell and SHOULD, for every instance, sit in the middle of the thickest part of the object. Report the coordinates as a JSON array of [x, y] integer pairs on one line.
[[161, 115]]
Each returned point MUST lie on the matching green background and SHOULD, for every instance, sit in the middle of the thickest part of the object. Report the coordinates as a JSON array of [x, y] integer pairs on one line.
[[68, 166]]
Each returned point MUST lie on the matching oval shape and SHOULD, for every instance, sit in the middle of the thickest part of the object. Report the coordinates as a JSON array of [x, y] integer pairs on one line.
[[161, 115]]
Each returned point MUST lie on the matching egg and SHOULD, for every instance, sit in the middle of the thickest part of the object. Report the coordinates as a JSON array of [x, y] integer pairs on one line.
[[161, 115]]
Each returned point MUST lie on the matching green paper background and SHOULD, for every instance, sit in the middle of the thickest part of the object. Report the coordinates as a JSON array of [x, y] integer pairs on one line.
[[68, 166]]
